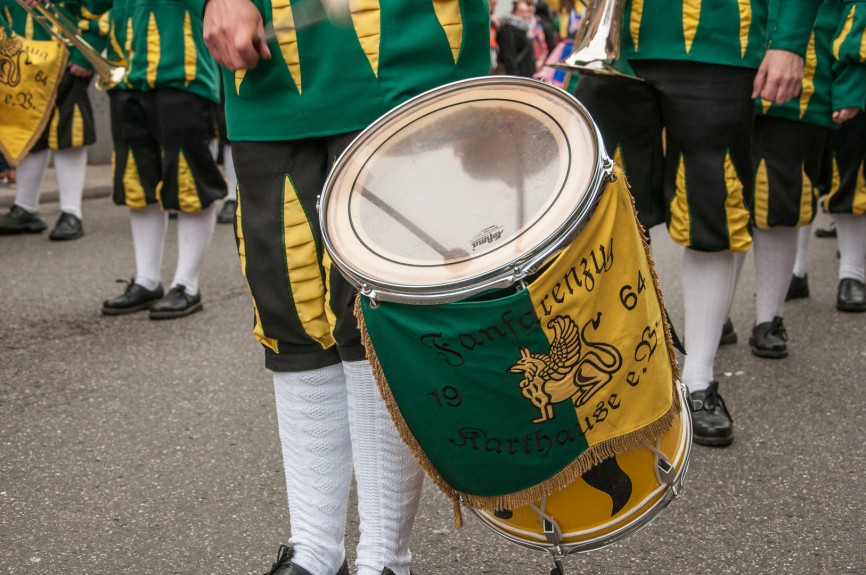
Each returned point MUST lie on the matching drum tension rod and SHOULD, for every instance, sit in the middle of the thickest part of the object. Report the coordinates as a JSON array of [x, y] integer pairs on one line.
[[554, 534]]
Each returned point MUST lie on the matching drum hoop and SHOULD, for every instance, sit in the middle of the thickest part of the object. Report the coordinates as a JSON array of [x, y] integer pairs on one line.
[[501, 277], [649, 515]]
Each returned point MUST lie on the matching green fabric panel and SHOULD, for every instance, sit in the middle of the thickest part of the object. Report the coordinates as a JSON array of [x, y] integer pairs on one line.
[[447, 368]]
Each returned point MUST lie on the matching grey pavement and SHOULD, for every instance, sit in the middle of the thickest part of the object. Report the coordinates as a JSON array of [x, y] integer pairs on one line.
[[135, 447]]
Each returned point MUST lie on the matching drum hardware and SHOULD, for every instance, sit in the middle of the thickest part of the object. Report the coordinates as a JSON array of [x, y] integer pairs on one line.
[[61, 26], [596, 47]]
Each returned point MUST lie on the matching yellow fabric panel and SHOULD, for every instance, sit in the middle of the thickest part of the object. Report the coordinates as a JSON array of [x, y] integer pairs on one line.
[[765, 105], [691, 18], [617, 158], [735, 209], [302, 262], [327, 263], [367, 21], [806, 194], [186, 188], [635, 21], [258, 330], [8, 14], [762, 196], [606, 293], [53, 128], [28, 27], [152, 50], [681, 225], [448, 14], [859, 207], [745, 24], [104, 25], [834, 185], [133, 192], [239, 79], [811, 64], [846, 29], [77, 127], [282, 14], [189, 54]]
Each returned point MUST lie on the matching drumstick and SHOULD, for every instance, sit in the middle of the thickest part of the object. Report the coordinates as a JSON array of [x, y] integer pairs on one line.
[[409, 225]]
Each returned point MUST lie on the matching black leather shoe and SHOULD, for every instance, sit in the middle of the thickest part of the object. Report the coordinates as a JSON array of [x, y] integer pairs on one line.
[[134, 298], [729, 334], [769, 339], [284, 565], [20, 221], [711, 423], [68, 227], [176, 303], [226, 214], [798, 288], [387, 571], [828, 232], [851, 295]]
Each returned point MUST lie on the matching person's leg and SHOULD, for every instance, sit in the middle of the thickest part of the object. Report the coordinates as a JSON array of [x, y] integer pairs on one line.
[[388, 477], [851, 230], [799, 286], [191, 183], [70, 165], [23, 216], [708, 117]]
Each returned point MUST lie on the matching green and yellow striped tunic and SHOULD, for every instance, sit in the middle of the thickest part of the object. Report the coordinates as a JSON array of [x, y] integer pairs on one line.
[[326, 79], [159, 41], [835, 73], [727, 32]]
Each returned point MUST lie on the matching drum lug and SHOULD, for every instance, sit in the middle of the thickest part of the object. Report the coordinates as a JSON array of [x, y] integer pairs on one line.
[[552, 531], [370, 294], [667, 472]]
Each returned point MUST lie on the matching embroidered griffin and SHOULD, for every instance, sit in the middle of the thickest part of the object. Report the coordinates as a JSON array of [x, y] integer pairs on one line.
[[574, 368]]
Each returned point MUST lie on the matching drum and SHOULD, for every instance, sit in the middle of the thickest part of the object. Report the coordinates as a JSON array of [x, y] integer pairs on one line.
[[618, 497], [463, 189], [510, 310]]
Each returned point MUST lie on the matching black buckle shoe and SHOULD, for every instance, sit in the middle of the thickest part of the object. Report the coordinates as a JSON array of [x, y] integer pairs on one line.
[[226, 214], [176, 303], [284, 565], [851, 295], [134, 298], [68, 227], [828, 232], [20, 221], [768, 339], [798, 288], [711, 423], [729, 334]]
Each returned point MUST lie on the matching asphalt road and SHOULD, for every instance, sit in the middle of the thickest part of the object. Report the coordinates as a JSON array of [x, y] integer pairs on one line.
[[129, 446]]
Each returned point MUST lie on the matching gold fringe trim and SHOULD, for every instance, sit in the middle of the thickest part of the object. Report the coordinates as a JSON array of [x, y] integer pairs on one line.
[[571, 473]]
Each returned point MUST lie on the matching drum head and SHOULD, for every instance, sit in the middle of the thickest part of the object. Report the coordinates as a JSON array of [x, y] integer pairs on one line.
[[462, 189], [617, 498]]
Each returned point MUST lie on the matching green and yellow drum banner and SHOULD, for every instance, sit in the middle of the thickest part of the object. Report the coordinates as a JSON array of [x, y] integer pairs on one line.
[[509, 397], [30, 71]]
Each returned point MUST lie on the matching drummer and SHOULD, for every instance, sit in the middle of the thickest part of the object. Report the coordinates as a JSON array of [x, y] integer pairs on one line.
[[292, 105], [683, 136]]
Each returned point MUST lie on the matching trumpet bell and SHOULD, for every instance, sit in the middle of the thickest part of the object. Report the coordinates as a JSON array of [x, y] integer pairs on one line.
[[596, 47]]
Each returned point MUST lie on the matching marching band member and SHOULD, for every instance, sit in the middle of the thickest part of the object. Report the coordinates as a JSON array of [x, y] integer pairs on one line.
[[162, 125], [66, 137], [292, 106], [683, 136], [789, 145]]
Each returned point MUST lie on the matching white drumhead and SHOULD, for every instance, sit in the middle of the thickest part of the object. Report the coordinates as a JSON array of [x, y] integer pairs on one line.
[[462, 189]]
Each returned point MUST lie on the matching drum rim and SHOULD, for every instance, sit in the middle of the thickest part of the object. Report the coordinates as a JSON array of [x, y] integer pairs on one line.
[[641, 521], [500, 277]]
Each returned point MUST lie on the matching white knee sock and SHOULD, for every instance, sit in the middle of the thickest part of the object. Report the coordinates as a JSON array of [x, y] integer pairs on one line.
[[317, 457], [70, 165], [803, 235], [851, 232], [231, 175], [30, 173], [194, 234], [388, 478], [148, 238], [775, 251], [708, 286]]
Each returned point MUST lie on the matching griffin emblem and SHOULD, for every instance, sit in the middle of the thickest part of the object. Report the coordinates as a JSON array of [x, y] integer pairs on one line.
[[574, 368]]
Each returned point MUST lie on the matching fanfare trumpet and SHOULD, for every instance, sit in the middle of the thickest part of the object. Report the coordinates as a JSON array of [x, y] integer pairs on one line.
[[62, 27]]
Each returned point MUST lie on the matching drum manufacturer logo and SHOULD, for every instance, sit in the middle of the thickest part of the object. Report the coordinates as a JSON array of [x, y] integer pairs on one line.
[[487, 236], [574, 368]]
